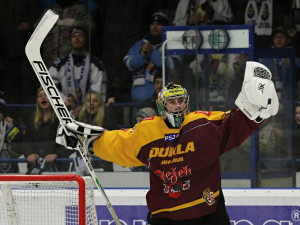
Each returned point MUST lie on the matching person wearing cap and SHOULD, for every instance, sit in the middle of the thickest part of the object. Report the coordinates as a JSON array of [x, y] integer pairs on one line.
[[77, 73], [10, 136], [144, 58]]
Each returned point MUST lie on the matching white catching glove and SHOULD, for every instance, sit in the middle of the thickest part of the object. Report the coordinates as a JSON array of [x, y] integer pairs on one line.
[[258, 99], [76, 132]]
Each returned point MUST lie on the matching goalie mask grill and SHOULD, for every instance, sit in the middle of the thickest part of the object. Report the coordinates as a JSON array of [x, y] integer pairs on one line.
[[262, 73]]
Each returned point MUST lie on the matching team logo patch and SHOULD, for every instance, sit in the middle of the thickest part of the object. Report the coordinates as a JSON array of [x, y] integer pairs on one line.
[[208, 196], [170, 137], [173, 181]]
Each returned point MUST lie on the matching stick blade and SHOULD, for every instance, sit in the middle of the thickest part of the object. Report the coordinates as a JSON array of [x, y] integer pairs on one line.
[[40, 32]]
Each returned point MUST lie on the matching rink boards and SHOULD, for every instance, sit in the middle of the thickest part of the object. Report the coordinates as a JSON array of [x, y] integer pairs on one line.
[[244, 206]]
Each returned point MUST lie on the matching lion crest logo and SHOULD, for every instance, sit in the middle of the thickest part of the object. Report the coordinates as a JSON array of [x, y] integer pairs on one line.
[[208, 196]]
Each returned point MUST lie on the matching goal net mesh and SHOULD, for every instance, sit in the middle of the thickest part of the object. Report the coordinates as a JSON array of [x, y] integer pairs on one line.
[[46, 202]]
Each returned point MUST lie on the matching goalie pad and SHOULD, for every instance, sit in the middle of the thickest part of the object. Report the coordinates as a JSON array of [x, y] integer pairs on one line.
[[258, 99], [77, 132]]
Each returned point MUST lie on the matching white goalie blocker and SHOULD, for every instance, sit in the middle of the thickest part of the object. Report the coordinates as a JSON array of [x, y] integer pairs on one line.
[[258, 98]]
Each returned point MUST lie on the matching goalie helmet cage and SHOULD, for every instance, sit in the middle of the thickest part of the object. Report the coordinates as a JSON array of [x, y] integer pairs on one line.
[[47, 200]]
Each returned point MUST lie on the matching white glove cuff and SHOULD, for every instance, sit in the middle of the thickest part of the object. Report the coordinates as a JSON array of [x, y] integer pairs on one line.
[[250, 110]]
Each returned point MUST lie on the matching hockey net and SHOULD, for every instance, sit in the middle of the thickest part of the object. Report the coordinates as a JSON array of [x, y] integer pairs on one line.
[[47, 200]]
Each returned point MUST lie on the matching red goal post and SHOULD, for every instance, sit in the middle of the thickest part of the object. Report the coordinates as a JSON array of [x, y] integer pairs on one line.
[[47, 199]]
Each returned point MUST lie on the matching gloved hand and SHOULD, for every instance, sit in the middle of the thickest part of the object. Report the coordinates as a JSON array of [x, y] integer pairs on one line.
[[258, 98], [77, 133]]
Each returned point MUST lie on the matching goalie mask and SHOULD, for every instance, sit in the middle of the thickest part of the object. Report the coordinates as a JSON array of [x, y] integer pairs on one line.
[[173, 104]]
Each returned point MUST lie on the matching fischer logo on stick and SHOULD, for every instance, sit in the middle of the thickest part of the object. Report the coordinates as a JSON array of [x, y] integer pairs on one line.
[[40, 68]]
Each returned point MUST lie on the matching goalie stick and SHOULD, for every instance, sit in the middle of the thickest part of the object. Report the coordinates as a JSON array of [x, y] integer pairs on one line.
[[33, 54]]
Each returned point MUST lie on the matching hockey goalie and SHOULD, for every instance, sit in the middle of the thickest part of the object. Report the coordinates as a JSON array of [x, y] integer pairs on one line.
[[182, 148]]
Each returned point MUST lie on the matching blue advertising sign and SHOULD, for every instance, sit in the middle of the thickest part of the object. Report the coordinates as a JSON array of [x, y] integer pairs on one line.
[[239, 215], [244, 206]]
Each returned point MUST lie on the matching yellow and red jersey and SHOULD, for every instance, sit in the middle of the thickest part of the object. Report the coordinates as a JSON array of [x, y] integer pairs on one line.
[[185, 179]]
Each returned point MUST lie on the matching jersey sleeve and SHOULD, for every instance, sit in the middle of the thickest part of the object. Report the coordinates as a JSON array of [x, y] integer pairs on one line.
[[230, 128], [234, 128], [120, 147], [123, 146]]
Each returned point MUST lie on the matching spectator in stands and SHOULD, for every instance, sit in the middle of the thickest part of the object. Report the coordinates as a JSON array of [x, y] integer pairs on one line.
[[17, 19], [57, 42], [77, 73], [144, 59], [95, 111], [193, 12], [10, 136], [280, 38], [280, 67], [144, 113], [40, 148]]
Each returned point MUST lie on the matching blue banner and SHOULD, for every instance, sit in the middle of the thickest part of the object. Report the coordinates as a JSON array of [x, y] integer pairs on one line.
[[239, 215]]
